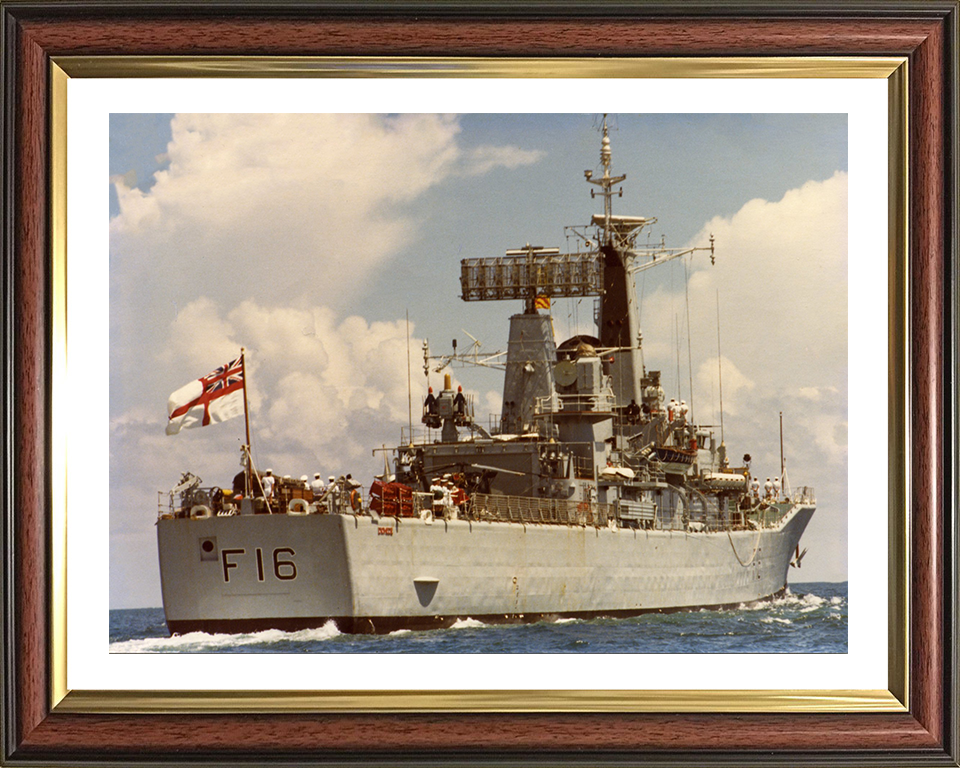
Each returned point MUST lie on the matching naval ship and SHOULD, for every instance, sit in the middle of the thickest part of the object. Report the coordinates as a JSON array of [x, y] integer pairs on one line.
[[590, 495]]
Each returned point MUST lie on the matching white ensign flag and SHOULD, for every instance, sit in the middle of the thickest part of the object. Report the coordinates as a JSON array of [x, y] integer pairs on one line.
[[216, 397]]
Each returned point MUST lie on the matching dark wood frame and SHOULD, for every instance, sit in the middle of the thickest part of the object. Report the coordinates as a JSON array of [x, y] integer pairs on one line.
[[925, 32]]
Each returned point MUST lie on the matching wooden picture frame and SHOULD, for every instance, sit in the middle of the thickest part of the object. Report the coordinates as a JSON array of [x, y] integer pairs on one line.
[[38, 731]]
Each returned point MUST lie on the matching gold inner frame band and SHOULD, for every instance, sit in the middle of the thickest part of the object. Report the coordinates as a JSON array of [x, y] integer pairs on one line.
[[414, 66], [893, 69], [227, 702], [57, 189]]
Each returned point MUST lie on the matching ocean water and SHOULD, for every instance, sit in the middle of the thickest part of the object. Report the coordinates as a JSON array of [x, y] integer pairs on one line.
[[810, 618]]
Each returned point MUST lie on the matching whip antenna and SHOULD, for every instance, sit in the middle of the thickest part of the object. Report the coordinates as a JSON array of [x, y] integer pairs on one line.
[[409, 384], [781, 448], [686, 284], [719, 367]]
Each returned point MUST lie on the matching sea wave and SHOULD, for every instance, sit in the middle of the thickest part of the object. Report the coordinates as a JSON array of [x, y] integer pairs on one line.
[[201, 641], [805, 603], [467, 623]]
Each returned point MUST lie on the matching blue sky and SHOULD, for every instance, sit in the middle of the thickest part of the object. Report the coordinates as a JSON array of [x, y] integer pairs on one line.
[[307, 239]]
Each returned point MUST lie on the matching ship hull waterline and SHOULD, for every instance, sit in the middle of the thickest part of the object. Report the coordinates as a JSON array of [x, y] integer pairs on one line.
[[250, 573]]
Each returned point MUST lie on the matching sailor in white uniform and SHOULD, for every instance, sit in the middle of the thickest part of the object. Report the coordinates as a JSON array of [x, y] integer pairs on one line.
[[317, 486], [268, 481]]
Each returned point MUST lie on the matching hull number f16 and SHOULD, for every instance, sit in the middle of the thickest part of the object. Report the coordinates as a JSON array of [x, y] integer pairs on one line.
[[283, 569]]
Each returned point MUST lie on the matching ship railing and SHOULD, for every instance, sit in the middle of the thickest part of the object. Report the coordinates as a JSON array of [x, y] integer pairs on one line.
[[525, 509], [583, 467], [734, 521], [700, 514], [603, 402], [770, 517], [765, 515], [193, 501], [419, 435], [429, 435], [545, 405]]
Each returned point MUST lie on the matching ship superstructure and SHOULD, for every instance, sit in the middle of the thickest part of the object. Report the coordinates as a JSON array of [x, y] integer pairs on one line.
[[591, 496]]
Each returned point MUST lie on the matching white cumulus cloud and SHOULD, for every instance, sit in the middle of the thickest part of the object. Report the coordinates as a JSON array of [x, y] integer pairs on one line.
[[262, 231], [781, 281]]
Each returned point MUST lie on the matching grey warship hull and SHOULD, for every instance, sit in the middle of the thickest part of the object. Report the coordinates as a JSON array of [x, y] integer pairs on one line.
[[590, 496], [373, 576]]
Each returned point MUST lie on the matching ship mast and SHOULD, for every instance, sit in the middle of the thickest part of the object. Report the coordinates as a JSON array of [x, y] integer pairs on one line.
[[605, 267], [620, 260], [606, 183], [619, 323]]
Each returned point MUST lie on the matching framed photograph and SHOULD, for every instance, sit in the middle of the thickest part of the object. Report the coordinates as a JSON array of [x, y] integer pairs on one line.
[[409, 129]]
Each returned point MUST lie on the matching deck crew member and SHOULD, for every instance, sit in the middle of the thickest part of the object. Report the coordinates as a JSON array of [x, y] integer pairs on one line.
[[671, 409], [683, 409], [334, 492], [776, 488], [460, 403], [317, 486], [430, 403], [649, 392], [633, 412], [437, 489], [352, 490], [267, 482], [755, 488], [239, 484], [767, 489], [448, 491]]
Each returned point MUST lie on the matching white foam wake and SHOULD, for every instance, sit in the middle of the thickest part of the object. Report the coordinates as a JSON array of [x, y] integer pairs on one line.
[[201, 641], [466, 623], [805, 603]]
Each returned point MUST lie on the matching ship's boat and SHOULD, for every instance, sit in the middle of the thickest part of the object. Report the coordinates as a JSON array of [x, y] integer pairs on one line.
[[589, 497]]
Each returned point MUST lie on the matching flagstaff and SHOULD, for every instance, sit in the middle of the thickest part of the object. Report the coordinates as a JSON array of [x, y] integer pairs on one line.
[[248, 485]]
